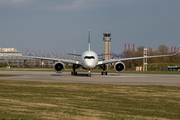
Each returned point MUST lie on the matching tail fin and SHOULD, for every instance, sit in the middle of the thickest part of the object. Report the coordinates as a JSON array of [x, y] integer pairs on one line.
[[89, 40]]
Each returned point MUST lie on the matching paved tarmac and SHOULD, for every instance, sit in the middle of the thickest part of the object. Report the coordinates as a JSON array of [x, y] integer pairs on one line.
[[97, 78]]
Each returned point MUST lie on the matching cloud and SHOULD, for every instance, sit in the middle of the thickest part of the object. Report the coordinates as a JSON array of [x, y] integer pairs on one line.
[[68, 7], [13, 2], [18, 1]]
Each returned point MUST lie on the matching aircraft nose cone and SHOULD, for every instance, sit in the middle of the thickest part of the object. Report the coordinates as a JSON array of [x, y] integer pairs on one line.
[[89, 64]]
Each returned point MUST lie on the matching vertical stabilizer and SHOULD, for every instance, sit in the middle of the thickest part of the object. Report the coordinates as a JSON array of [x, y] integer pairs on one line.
[[89, 40]]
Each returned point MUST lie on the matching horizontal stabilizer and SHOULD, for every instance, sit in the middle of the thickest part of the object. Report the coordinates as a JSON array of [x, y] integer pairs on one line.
[[103, 54], [73, 54]]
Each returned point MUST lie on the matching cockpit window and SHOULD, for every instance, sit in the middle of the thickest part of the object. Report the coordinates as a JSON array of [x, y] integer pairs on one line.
[[89, 57]]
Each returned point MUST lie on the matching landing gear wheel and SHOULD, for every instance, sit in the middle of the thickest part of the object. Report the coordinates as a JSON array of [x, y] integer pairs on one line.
[[103, 73], [89, 75], [73, 73], [74, 69], [104, 68]]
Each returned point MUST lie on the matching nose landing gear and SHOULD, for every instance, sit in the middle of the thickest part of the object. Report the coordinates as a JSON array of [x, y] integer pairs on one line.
[[89, 74]]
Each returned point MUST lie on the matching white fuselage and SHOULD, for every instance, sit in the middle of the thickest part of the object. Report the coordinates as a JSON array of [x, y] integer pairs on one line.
[[89, 60]]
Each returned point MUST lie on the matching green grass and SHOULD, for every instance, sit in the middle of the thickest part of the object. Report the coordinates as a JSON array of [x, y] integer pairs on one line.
[[161, 66], [51, 100]]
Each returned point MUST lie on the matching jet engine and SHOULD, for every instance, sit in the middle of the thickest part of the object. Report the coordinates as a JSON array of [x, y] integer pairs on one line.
[[58, 67], [119, 67]]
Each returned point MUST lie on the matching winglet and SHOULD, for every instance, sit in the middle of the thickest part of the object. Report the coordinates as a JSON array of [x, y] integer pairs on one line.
[[89, 40], [176, 53]]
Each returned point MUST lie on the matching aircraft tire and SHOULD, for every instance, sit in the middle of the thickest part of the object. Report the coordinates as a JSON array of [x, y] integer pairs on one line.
[[89, 75], [103, 73]]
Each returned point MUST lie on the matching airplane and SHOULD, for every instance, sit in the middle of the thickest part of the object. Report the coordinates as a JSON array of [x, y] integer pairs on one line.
[[89, 61]]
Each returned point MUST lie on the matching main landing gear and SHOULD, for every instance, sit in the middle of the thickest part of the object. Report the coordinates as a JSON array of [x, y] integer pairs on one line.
[[73, 73], [74, 67], [104, 68], [74, 70]]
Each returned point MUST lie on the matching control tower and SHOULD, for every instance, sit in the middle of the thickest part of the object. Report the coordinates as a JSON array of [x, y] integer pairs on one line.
[[107, 41]]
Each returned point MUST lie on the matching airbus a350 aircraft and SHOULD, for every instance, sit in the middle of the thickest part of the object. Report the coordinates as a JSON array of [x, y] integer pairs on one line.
[[89, 61]]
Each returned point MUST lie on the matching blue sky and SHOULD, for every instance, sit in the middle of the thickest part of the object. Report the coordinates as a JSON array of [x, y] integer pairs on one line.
[[60, 25]]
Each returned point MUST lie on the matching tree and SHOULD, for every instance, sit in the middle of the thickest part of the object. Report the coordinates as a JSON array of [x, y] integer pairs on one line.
[[140, 51], [151, 53], [163, 49]]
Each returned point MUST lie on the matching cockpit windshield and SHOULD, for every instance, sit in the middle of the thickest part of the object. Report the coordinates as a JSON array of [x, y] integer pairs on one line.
[[89, 57]]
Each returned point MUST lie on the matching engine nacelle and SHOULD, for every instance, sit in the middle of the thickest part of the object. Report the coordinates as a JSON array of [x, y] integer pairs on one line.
[[58, 67], [119, 67]]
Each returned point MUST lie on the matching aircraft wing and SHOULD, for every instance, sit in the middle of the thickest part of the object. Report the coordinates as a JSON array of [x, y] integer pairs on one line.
[[70, 61], [134, 58], [60, 60], [108, 61], [53, 59]]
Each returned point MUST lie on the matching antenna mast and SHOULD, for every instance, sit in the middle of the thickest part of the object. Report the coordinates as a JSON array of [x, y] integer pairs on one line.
[[74, 51]]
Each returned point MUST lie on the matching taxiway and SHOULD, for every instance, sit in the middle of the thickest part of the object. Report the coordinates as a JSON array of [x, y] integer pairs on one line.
[[111, 78]]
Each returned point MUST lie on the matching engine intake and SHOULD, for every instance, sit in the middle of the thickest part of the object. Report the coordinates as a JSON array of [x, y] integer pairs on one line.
[[58, 67], [119, 67]]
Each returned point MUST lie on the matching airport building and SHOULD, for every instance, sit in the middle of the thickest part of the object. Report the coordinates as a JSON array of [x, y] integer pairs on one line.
[[9, 52], [11, 56]]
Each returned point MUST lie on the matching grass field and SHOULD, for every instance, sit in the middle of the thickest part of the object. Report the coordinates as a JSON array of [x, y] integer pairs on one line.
[[51, 100]]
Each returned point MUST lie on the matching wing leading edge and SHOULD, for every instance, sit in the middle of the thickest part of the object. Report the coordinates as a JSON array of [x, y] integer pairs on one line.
[[134, 58]]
